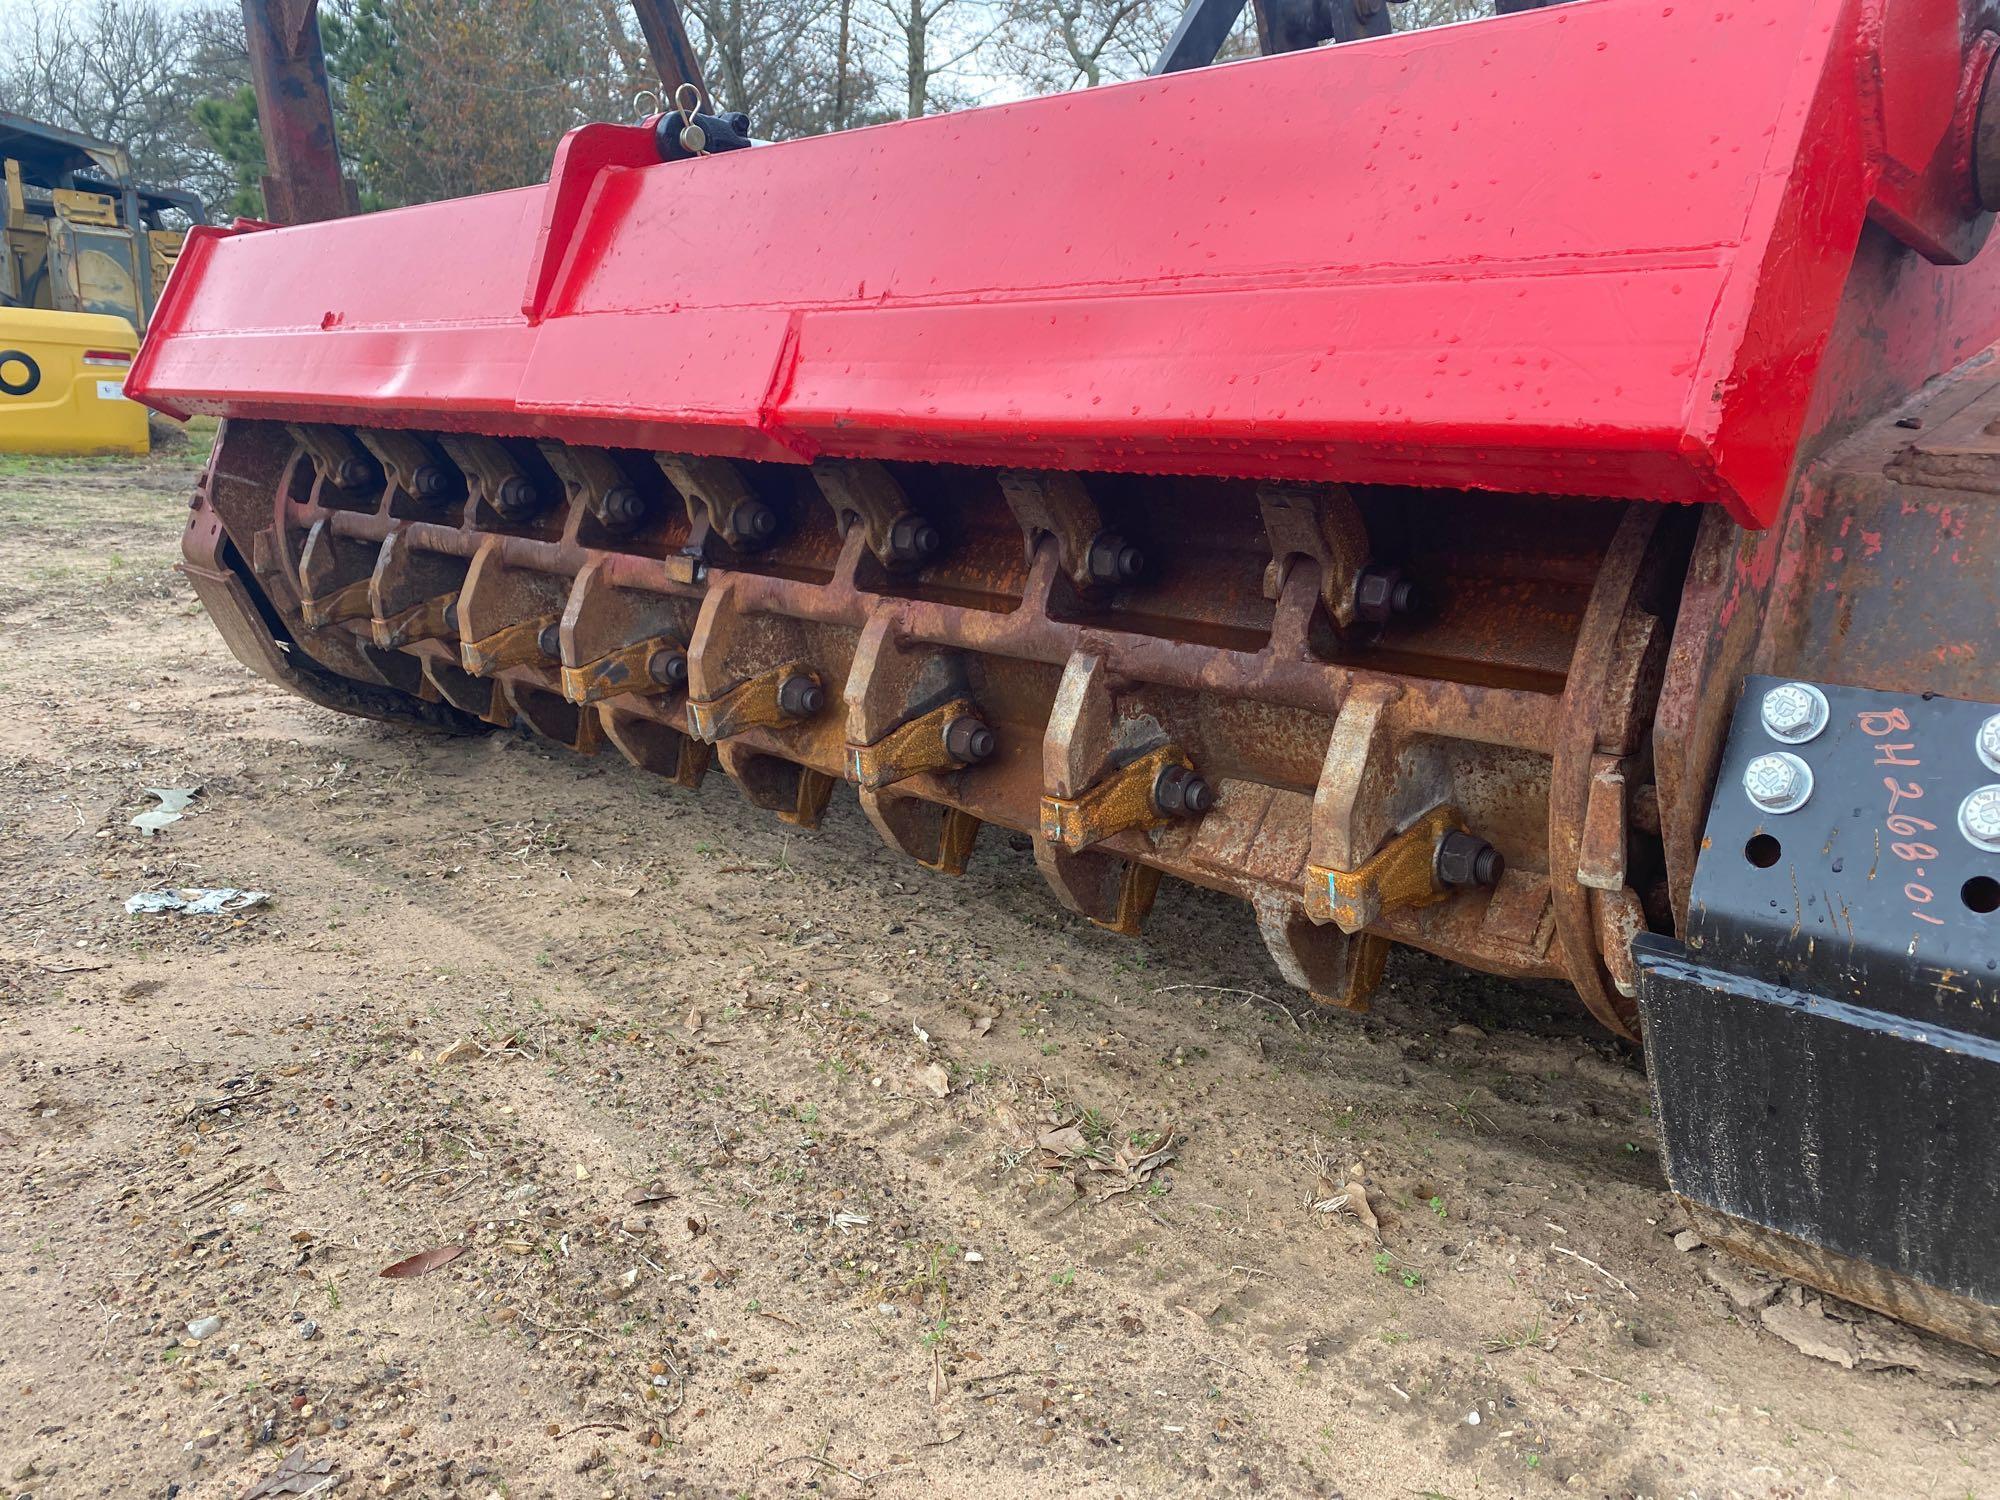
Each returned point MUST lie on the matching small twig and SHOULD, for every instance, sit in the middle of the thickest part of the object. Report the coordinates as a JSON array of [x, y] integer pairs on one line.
[[820, 1458], [1598, 1269], [1607, 1379], [1221, 989], [1004, 1375], [592, 1427], [227, 1101]]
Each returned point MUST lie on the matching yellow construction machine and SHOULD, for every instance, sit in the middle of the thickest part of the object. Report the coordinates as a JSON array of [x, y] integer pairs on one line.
[[84, 253]]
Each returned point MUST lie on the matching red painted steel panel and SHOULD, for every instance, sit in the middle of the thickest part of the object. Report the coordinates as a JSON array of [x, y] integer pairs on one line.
[[1595, 249]]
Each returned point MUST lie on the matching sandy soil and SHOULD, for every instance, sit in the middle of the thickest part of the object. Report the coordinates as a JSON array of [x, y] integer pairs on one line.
[[740, 1130]]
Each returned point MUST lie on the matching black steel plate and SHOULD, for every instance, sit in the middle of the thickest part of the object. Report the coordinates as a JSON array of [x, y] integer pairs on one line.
[[1853, 897]]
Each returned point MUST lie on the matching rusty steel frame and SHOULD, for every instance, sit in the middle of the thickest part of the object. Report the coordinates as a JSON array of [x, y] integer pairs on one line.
[[302, 183]]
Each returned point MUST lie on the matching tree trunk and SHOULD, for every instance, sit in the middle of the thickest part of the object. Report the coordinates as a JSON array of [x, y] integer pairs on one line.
[[920, 78], [840, 67]]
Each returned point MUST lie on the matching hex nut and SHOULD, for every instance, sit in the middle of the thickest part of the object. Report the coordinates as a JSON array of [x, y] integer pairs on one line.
[[429, 482], [1182, 792], [1465, 859], [969, 740], [1114, 560], [1794, 713], [1778, 782], [1979, 818], [516, 497], [1382, 593], [622, 506], [668, 668], [799, 697], [753, 523], [913, 541], [1988, 743]]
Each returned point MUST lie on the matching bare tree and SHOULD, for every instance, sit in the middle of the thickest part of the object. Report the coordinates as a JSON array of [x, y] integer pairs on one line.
[[929, 45], [1053, 45], [791, 65], [125, 71], [1415, 15]]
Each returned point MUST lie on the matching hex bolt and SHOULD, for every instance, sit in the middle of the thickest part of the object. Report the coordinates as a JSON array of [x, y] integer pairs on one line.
[[799, 697], [622, 506], [1988, 743], [1381, 593], [1979, 818], [353, 473], [913, 541], [668, 668], [429, 482], [1795, 713], [968, 740], [1465, 859], [753, 523], [1114, 560], [516, 497], [549, 642], [1778, 782], [1181, 792]]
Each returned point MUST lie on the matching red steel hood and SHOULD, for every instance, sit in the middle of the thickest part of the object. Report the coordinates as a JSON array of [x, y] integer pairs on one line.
[[1595, 249]]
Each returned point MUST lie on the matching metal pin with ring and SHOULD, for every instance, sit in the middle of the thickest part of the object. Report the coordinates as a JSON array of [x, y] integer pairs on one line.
[[694, 140]]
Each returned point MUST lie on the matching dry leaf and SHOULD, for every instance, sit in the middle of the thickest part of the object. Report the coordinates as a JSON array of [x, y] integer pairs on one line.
[[462, 1050], [424, 1262], [1066, 1141], [296, 1476], [1357, 1204], [933, 1078]]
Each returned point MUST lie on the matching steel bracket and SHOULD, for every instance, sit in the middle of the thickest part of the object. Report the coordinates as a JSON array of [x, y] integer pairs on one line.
[[751, 704], [1122, 800], [625, 672], [714, 491], [1056, 505], [517, 645], [593, 478], [1322, 523], [433, 619], [350, 602], [910, 749], [867, 492], [337, 458], [409, 462], [496, 480], [1403, 873]]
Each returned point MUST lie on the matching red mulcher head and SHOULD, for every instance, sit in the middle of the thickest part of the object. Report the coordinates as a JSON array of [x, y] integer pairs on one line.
[[1253, 475]]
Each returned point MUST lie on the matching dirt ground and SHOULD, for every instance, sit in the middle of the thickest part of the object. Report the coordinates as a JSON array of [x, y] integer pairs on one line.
[[741, 1131]]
